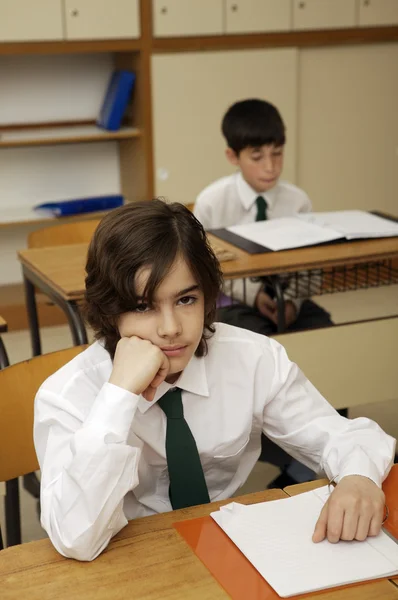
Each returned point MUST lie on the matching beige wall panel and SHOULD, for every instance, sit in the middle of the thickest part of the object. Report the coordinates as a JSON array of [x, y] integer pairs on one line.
[[30, 20], [191, 92], [348, 127], [324, 14], [378, 12], [101, 19], [187, 17], [245, 16], [363, 373]]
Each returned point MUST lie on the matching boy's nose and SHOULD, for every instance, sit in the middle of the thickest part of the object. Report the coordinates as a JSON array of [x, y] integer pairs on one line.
[[169, 326]]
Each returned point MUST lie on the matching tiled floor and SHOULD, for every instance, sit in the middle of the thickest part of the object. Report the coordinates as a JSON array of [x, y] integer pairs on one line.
[[344, 308]]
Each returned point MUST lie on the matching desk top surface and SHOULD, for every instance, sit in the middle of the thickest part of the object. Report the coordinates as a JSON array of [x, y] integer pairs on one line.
[[147, 560], [63, 267]]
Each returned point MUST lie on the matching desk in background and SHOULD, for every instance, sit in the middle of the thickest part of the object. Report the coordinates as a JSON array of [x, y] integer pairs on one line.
[[59, 273]]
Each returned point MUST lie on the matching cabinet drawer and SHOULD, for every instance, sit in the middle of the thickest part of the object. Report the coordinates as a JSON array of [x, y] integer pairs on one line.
[[187, 17], [244, 16], [101, 19], [30, 20], [324, 14], [378, 12]]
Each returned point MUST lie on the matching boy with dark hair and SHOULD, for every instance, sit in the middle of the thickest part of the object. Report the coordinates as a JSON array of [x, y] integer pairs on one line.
[[166, 408], [255, 136]]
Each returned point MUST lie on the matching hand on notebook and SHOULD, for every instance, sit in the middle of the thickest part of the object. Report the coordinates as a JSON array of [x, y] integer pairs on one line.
[[268, 308], [354, 511]]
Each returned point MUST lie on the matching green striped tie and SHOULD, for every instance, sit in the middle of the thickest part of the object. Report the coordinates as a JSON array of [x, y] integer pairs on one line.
[[187, 481], [261, 209]]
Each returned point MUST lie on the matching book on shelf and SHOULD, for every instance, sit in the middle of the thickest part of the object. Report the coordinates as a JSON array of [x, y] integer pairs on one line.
[[116, 99]]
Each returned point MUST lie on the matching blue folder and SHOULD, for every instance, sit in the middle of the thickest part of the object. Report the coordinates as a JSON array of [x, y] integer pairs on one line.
[[116, 100], [80, 205]]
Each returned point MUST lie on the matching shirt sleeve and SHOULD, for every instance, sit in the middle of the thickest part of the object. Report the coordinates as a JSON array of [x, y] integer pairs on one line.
[[202, 211], [299, 419], [86, 468]]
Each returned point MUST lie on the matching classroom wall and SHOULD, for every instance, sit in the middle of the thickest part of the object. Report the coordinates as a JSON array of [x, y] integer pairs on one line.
[[339, 104]]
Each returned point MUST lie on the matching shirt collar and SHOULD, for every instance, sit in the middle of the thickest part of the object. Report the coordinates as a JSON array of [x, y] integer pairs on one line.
[[248, 195], [193, 379]]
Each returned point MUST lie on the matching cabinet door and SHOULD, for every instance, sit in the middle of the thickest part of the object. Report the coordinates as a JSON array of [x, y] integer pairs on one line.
[[244, 16], [101, 19], [324, 14], [187, 17], [30, 20], [190, 94], [378, 12]]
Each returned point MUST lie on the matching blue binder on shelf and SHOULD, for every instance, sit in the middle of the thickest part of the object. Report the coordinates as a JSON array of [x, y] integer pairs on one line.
[[79, 206], [116, 99]]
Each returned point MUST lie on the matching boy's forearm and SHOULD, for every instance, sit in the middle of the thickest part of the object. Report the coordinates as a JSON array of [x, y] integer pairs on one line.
[[87, 469]]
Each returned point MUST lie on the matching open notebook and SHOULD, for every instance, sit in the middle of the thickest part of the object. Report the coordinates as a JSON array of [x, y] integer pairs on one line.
[[276, 538], [308, 229]]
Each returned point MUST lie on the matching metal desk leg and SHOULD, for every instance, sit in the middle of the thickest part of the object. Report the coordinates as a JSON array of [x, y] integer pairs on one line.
[[3, 356], [76, 323], [12, 513], [276, 284], [31, 307]]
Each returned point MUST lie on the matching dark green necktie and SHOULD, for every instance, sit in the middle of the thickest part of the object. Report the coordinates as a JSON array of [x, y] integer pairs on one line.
[[187, 481], [261, 209]]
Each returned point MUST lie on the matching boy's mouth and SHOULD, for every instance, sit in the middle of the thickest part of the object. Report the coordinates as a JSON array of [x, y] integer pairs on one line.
[[173, 351]]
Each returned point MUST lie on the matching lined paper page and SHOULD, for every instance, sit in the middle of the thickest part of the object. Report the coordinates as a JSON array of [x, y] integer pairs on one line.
[[353, 224], [285, 233], [276, 539]]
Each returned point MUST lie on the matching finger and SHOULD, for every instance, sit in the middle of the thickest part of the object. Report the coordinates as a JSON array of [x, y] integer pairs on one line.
[[266, 312], [320, 527], [335, 523], [376, 522], [350, 525], [162, 372], [149, 393], [363, 528]]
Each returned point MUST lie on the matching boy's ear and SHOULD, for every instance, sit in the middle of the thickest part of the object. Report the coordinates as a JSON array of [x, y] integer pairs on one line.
[[232, 156]]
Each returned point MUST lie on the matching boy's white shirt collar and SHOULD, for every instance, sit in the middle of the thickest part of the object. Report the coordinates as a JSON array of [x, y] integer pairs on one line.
[[248, 196], [193, 379]]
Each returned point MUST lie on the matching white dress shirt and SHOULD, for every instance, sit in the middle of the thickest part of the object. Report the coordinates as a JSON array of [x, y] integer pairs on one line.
[[101, 448], [232, 201]]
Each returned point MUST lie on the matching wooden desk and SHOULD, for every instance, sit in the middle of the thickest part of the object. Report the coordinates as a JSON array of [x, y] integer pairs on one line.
[[59, 271], [148, 560]]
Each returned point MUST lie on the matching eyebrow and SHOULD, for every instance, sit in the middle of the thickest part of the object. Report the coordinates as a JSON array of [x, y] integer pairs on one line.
[[192, 288]]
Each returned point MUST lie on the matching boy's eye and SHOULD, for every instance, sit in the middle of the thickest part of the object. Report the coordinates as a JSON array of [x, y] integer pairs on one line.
[[277, 153], [141, 308], [186, 300], [256, 157]]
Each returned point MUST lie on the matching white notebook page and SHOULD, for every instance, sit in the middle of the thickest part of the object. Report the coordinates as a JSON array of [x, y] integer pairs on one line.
[[285, 233], [353, 223], [276, 538]]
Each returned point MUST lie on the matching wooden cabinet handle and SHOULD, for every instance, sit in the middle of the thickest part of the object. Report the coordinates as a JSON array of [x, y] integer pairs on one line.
[[234, 8], [75, 13], [301, 4], [163, 10]]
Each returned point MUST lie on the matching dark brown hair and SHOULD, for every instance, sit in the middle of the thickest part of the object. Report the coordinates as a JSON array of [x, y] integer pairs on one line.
[[145, 234]]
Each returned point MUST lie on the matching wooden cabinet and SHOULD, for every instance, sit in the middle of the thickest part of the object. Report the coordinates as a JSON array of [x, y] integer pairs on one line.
[[244, 16], [323, 14], [378, 12], [187, 17], [30, 20], [101, 19]]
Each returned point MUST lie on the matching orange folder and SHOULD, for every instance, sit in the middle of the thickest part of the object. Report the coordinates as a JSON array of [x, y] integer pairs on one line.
[[231, 568]]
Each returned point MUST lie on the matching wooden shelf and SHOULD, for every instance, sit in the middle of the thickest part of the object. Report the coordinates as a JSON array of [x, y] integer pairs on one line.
[[54, 135], [70, 47], [25, 215], [300, 39]]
